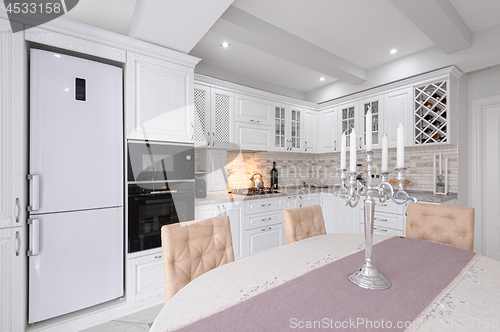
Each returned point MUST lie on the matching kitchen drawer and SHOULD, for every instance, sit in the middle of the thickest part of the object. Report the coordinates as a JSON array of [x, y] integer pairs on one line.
[[263, 219], [388, 207], [265, 238], [264, 205], [145, 277], [387, 231], [387, 220]]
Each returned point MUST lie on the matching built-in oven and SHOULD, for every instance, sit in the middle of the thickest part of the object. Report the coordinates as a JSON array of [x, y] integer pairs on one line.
[[161, 190]]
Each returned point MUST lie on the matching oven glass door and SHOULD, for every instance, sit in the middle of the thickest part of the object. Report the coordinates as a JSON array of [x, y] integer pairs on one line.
[[148, 213]]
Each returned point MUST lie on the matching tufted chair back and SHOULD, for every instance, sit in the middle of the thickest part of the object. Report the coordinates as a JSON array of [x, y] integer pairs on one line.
[[193, 248], [445, 224], [303, 222]]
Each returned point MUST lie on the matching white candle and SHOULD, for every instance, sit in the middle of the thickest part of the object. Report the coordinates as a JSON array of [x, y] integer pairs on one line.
[[401, 146], [352, 155], [369, 122], [385, 146], [343, 151]]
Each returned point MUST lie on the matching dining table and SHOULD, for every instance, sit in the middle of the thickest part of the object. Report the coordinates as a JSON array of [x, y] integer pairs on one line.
[[304, 286]]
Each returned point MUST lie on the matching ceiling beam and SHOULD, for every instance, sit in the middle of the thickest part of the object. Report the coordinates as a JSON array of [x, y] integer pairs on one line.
[[440, 21], [240, 26], [178, 25]]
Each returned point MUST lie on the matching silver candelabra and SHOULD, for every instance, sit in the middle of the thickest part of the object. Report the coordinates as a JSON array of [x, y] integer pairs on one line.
[[367, 276]]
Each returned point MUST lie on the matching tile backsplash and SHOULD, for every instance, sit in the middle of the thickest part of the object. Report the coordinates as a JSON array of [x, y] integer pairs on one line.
[[293, 168]]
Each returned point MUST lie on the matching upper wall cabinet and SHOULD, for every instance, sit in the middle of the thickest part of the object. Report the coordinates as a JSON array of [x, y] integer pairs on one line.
[[375, 104], [253, 110], [159, 99], [398, 109], [214, 117], [288, 128], [350, 119], [329, 136], [310, 131]]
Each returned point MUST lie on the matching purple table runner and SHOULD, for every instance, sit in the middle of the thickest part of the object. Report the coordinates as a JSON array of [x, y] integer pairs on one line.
[[325, 299]]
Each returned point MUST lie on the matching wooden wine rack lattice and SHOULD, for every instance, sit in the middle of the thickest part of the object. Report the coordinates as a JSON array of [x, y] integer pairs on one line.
[[431, 112]]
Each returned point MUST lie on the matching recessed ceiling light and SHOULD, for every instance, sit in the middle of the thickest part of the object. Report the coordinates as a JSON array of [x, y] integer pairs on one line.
[[394, 51], [225, 44], [321, 79]]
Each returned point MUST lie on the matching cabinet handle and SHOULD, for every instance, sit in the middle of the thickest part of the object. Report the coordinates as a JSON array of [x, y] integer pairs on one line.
[[224, 209], [305, 145], [380, 229], [192, 131], [17, 210], [254, 121], [383, 204], [18, 243], [360, 142], [157, 257], [335, 145], [265, 219], [208, 135], [266, 229], [218, 209], [380, 219], [213, 138], [269, 204]]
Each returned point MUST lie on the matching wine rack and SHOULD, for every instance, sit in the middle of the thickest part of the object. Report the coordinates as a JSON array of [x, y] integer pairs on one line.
[[431, 110]]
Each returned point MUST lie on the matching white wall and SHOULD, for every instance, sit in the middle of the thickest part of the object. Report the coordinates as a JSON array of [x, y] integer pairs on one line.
[[483, 83]]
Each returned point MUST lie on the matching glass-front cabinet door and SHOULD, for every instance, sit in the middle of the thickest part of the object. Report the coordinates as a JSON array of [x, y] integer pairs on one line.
[[348, 120], [280, 141], [296, 130], [375, 104]]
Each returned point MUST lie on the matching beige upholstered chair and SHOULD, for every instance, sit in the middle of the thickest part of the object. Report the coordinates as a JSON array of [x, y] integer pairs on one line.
[[303, 222], [445, 224], [193, 248]]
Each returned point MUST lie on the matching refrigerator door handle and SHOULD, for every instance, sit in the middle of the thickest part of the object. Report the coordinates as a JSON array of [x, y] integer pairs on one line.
[[34, 192], [34, 240]]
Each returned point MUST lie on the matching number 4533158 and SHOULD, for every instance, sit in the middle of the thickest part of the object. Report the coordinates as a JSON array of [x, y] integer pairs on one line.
[[33, 8]]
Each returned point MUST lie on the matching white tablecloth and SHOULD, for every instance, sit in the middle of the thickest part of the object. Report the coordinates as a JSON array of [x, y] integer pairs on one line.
[[472, 303]]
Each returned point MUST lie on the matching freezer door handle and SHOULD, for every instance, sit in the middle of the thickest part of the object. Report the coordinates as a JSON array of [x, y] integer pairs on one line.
[[34, 192], [34, 240]]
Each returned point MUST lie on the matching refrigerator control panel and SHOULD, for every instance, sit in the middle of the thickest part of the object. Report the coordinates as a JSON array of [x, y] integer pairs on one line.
[[80, 89]]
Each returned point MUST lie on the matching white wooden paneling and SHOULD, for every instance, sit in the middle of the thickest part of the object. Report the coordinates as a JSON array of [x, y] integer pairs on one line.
[[311, 131], [262, 219], [6, 245], [216, 171], [163, 100], [265, 238], [252, 137], [201, 115], [253, 110], [55, 39], [338, 217], [329, 139], [398, 109], [222, 119], [264, 205], [145, 277]]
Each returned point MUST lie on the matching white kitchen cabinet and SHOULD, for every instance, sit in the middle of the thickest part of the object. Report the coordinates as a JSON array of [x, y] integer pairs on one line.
[[338, 217], [349, 119], [13, 277], [261, 239], [250, 136], [288, 128], [376, 105], [145, 278], [398, 109], [214, 117], [253, 110], [329, 136], [308, 200], [216, 172], [310, 131], [235, 212], [158, 100], [291, 202]]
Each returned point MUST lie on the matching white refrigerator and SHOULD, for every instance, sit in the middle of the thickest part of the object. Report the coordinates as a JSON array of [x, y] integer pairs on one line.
[[76, 220]]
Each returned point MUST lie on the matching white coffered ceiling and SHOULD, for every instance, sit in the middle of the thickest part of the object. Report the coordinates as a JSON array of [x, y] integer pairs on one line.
[[285, 46]]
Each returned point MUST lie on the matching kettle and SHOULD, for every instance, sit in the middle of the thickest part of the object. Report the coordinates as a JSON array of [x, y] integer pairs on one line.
[[257, 182]]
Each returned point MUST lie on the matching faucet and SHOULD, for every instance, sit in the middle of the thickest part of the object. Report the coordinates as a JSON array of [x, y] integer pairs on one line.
[[303, 185]]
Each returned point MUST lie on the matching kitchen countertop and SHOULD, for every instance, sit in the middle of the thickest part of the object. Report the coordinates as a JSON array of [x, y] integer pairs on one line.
[[421, 196]]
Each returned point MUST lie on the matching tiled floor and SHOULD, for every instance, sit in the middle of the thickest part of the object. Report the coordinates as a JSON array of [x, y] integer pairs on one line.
[[138, 322]]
